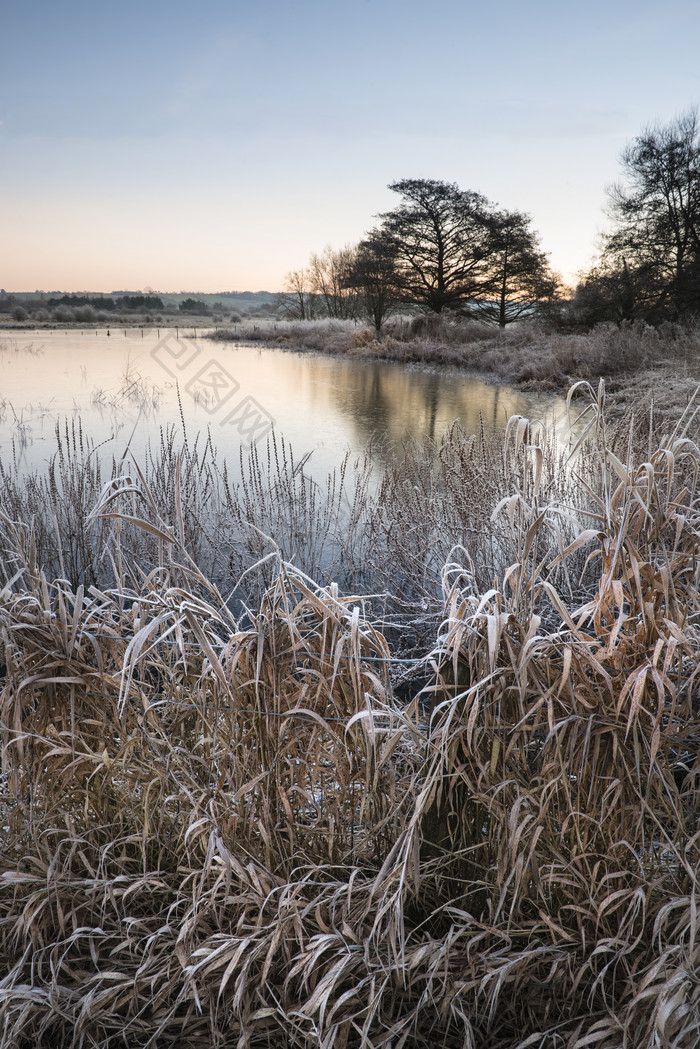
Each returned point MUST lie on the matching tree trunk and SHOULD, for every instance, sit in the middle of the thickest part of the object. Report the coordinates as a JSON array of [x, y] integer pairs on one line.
[[504, 288]]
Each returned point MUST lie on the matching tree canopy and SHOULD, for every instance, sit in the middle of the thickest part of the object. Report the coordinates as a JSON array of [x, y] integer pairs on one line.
[[440, 239], [519, 276]]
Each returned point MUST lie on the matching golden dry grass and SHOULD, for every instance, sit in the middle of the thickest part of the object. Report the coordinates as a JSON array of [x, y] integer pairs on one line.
[[223, 832]]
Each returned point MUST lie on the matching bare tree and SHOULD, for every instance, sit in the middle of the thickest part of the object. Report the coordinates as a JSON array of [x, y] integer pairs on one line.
[[656, 212], [440, 236], [519, 274], [372, 275], [328, 274], [442, 248], [298, 299]]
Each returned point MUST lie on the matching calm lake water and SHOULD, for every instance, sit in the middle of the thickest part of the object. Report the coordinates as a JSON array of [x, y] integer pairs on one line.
[[125, 387]]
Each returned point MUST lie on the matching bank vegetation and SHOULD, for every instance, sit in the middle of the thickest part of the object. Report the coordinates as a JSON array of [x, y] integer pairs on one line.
[[528, 354]]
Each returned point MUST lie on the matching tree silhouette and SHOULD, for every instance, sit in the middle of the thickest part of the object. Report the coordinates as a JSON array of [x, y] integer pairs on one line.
[[440, 238], [373, 277], [656, 212], [519, 276]]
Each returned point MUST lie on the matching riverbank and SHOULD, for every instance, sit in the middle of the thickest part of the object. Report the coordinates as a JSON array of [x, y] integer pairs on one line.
[[634, 359], [524, 354]]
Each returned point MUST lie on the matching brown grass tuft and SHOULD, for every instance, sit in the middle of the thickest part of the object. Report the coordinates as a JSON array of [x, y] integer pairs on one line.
[[227, 829]]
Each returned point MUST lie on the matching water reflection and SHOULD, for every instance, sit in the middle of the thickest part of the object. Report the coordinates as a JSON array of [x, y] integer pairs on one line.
[[395, 401], [120, 389]]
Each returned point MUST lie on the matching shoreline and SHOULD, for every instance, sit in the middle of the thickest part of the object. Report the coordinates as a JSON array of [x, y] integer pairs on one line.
[[634, 360], [523, 356]]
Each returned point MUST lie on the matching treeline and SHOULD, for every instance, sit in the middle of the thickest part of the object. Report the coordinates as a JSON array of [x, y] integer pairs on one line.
[[105, 302], [129, 308], [445, 249], [81, 308]]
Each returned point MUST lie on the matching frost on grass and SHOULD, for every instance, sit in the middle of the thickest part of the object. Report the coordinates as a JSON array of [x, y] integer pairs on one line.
[[224, 828]]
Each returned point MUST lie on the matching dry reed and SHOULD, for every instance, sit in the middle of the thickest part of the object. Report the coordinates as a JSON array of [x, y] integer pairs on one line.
[[226, 829]]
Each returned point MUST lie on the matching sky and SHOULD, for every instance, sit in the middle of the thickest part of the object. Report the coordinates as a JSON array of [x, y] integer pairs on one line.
[[214, 147]]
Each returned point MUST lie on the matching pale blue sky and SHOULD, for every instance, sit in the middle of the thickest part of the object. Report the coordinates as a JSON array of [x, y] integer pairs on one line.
[[214, 147]]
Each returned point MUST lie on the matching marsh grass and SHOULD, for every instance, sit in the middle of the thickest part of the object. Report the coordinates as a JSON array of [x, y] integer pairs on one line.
[[222, 827], [134, 391], [374, 529], [527, 353]]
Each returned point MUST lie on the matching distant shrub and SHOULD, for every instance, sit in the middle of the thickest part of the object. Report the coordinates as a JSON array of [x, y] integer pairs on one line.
[[193, 306], [19, 313], [140, 302]]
